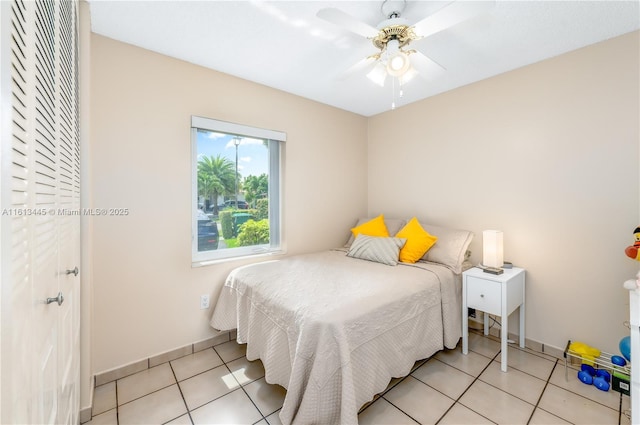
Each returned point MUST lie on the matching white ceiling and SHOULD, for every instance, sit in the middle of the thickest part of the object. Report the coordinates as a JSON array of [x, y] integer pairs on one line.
[[282, 44]]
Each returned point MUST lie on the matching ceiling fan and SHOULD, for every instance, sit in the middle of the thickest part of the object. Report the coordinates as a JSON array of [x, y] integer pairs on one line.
[[393, 36]]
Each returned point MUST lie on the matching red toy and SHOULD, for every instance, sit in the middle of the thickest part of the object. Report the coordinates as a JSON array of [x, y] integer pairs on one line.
[[633, 251]]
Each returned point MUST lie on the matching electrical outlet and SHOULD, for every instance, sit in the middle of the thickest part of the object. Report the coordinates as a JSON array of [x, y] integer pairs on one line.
[[204, 302], [476, 321]]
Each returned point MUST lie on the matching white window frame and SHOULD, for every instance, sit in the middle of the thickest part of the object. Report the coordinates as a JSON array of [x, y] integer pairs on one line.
[[275, 200]]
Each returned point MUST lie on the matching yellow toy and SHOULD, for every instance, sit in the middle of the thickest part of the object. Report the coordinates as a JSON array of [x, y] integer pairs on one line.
[[633, 251], [586, 352]]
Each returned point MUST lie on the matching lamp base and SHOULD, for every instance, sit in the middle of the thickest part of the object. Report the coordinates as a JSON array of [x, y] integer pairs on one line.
[[493, 270]]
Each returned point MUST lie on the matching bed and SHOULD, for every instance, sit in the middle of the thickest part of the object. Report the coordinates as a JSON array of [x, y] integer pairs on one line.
[[333, 328]]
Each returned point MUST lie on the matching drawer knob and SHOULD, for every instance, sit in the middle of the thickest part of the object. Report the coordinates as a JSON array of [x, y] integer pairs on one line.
[[481, 295]]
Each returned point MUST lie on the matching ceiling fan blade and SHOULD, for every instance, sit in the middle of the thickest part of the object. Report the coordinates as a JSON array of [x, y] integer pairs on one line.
[[346, 21], [426, 67], [451, 15], [361, 67]]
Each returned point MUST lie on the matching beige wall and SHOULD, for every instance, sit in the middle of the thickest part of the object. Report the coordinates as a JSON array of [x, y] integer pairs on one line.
[[145, 292], [547, 153]]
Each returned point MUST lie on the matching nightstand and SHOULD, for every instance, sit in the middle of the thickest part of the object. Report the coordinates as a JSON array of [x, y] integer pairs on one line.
[[499, 295]]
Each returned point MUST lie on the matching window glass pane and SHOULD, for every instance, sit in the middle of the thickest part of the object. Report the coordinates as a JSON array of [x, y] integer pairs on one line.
[[237, 211]]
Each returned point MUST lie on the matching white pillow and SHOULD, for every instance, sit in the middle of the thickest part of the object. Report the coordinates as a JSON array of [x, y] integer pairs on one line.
[[375, 248], [451, 247]]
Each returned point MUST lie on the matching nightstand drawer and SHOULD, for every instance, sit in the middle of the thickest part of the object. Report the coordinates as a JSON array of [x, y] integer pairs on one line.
[[484, 295]]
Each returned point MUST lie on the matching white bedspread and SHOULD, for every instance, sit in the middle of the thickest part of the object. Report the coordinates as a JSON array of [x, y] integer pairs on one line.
[[334, 330]]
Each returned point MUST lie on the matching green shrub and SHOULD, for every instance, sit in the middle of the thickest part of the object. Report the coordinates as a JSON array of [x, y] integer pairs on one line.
[[254, 233], [226, 224], [262, 209]]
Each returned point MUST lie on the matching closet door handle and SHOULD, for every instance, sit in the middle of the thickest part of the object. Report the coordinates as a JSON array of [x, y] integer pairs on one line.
[[74, 272], [59, 299]]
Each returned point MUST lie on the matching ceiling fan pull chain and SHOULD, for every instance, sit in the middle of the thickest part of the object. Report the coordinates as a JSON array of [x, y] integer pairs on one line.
[[393, 94]]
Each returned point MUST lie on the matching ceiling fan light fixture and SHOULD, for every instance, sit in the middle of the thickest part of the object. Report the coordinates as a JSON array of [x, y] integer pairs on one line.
[[378, 74], [398, 64], [392, 47], [408, 76]]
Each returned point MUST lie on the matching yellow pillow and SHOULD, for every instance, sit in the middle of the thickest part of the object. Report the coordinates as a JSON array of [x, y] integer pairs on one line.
[[373, 227], [419, 241]]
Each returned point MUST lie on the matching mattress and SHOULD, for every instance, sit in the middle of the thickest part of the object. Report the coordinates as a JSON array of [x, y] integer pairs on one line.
[[333, 330]]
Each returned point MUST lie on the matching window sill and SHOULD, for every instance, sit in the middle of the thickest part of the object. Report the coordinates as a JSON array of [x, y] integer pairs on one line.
[[205, 263]]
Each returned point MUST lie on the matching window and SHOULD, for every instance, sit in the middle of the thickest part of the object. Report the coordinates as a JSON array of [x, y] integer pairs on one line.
[[236, 190]]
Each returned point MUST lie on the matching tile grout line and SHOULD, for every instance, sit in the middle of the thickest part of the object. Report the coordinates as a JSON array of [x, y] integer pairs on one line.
[[224, 364], [144, 395], [455, 401], [186, 406], [200, 373], [620, 410], [117, 407], [423, 363], [381, 395], [245, 391], [115, 383], [500, 389], [555, 367], [476, 378], [590, 400], [546, 384], [403, 412], [583, 396]]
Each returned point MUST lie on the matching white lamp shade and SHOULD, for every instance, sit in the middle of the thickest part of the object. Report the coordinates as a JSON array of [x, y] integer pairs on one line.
[[378, 74], [408, 76], [492, 248], [398, 64]]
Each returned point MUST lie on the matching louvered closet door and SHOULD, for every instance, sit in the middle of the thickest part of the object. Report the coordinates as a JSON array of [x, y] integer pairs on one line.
[[43, 357], [68, 205]]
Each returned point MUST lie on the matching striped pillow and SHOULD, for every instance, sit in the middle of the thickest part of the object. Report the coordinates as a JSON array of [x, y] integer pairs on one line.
[[375, 248]]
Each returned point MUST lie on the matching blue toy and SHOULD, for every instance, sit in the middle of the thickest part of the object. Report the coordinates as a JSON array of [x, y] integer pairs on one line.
[[625, 347]]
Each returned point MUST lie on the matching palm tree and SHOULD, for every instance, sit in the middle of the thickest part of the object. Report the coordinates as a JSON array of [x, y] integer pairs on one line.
[[216, 176], [256, 187]]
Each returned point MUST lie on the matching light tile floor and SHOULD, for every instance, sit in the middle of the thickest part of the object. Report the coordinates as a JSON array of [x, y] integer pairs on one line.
[[220, 386]]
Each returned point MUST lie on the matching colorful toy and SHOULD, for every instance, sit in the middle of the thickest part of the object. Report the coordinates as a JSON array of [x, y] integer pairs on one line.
[[633, 251]]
